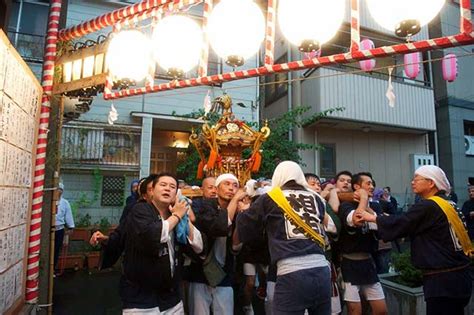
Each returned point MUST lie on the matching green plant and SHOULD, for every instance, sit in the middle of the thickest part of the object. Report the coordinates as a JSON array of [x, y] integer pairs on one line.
[[104, 225], [408, 274], [83, 221], [83, 201]]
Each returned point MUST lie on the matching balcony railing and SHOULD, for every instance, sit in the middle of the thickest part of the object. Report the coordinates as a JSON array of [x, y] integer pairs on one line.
[[364, 100], [99, 146], [29, 46]]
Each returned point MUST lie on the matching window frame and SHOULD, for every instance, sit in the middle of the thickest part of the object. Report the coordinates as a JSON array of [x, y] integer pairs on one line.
[[106, 191], [332, 173]]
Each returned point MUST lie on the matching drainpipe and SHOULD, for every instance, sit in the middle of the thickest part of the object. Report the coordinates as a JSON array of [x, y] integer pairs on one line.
[[435, 133], [290, 87], [18, 22]]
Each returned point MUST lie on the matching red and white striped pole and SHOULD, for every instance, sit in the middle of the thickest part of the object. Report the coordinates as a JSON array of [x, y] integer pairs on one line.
[[270, 33], [110, 19], [355, 26], [203, 62], [385, 51], [466, 20], [32, 270]]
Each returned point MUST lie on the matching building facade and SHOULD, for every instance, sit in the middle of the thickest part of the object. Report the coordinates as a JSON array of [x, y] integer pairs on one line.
[[455, 106], [100, 160], [368, 135]]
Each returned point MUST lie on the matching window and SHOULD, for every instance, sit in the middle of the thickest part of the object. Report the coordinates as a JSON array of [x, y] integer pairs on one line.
[[95, 145], [82, 143], [327, 156], [468, 128], [113, 188], [469, 137], [214, 63], [277, 86], [26, 32]]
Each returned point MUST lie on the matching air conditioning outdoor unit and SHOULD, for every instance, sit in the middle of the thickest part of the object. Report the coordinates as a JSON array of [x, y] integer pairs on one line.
[[418, 160], [469, 145]]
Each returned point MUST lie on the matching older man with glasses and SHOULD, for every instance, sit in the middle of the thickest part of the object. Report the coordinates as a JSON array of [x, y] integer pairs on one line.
[[440, 246]]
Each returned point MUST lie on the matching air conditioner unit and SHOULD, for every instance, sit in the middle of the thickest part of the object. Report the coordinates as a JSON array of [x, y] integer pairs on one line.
[[469, 145], [418, 160]]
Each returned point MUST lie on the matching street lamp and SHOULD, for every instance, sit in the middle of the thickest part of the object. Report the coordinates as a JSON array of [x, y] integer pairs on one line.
[[404, 17], [177, 44], [310, 23], [236, 29], [129, 55]]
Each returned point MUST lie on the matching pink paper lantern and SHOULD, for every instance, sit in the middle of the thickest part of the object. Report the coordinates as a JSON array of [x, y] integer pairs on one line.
[[412, 64], [450, 67], [367, 65]]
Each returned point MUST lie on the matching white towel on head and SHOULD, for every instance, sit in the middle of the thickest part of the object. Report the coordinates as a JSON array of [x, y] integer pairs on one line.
[[250, 188], [226, 176], [437, 175], [286, 171]]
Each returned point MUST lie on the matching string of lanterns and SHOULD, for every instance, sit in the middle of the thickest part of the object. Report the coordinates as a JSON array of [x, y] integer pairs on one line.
[[236, 29]]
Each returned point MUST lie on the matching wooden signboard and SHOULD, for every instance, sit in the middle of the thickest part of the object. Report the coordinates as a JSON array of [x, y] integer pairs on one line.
[[20, 99]]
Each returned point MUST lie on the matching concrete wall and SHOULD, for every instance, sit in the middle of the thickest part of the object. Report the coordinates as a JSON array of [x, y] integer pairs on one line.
[[363, 98], [385, 154], [81, 185], [453, 159], [455, 103]]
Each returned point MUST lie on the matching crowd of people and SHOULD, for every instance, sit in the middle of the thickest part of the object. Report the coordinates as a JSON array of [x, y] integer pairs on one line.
[[309, 248]]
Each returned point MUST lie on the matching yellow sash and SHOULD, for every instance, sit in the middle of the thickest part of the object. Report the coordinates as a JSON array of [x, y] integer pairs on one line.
[[277, 195], [456, 223]]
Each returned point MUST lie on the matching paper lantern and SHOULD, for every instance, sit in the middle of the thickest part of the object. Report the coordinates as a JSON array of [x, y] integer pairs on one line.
[[177, 43], [129, 55], [236, 29], [450, 67], [404, 17], [367, 65], [310, 23], [412, 64]]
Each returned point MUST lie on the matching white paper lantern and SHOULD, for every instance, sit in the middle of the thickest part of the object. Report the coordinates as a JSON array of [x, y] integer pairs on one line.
[[177, 43], [236, 30], [304, 22], [404, 17], [129, 55]]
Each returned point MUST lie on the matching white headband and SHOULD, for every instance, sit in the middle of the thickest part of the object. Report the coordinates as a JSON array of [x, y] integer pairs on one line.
[[287, 171], [437, 175], [224, 177]]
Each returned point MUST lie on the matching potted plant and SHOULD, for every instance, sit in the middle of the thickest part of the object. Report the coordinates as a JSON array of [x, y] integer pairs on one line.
[[93, 257], [82, 231], [71, 261], [404, 289]]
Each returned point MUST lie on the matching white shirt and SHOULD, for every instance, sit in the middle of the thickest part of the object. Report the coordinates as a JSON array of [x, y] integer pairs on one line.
[[167, 237], [64, 215]]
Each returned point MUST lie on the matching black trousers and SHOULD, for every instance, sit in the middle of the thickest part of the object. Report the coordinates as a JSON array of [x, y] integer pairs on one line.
[[58, 245], [446, 305]]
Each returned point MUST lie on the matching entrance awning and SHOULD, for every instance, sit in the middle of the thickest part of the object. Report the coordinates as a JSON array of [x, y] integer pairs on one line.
[[170, 122]]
